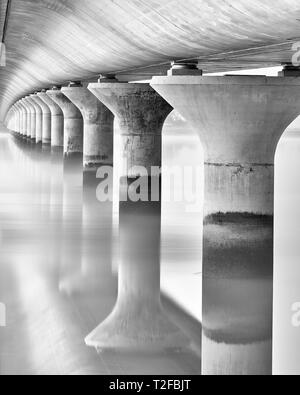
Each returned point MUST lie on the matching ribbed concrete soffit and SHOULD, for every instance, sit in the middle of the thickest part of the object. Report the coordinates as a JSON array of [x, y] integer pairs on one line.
[[52, 41]]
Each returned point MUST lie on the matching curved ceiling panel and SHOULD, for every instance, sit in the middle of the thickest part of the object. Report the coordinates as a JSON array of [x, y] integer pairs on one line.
[[52, 41]]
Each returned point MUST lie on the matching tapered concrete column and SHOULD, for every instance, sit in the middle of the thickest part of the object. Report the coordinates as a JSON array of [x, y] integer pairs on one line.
[[39, 120], [20, 118], [57, 120], [97, 216], [17, 118], [13, 119], [98, 128], [46, 137], [28, 118], [73, 123], [240, 121], [32, 118], [138, 321]]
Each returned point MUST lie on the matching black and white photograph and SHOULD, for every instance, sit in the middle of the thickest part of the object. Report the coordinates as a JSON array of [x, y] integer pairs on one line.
[[149, 190]]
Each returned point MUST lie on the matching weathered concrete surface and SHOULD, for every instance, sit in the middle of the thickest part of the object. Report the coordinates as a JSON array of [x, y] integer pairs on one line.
[[50, 42], [240, 121], [73, 123], [39, 120], [98, 128], [46, 136], [57, 120], [141, 113]]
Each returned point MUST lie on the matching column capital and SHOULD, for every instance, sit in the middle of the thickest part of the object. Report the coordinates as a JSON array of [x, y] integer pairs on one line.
[[98, 127], [239, 119], [36, 104], [90, 107], [138, 107], [36, 97], [68, 108], [54, 108]]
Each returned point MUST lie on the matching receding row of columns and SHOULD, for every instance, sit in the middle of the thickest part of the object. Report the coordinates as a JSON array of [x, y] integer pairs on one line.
[[240, 121]]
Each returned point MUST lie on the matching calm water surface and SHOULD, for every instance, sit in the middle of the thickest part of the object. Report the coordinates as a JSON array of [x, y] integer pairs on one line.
[[61, 257]]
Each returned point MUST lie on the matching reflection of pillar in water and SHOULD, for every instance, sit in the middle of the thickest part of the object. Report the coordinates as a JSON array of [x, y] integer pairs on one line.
[[97, 153], [137, 321], [72, 191]]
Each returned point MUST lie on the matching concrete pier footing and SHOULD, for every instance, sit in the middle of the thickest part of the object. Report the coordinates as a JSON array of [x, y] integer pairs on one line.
[[73, 123], [57, 120], [240, 121], [138, 321]]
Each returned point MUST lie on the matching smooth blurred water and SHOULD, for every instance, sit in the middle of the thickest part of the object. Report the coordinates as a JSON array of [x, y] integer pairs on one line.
[[59, 263], [60, 258]]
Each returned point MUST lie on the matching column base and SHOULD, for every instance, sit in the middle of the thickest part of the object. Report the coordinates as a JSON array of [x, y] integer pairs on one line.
[[138, 331]]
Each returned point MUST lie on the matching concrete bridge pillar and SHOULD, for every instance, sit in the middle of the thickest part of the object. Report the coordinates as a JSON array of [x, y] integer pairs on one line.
[[39, 120], [137, 321], [240, 120], [73, 124], [19, 118], [18, 105], [28, 119], [46, 113], [57, 120], [98, 129], [24, 119], [32, 118], [97, 152]]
